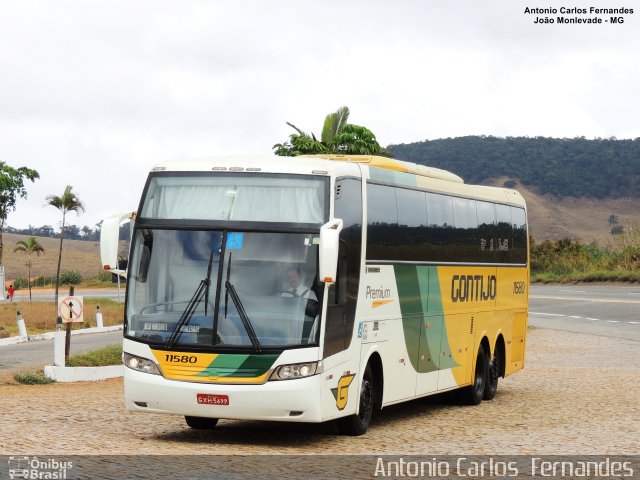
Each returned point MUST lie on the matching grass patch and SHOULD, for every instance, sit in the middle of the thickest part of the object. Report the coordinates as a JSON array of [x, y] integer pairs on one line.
[[585, 277], [40, 317], [109, 355], [98, 282], [570, 261], [32, 377]]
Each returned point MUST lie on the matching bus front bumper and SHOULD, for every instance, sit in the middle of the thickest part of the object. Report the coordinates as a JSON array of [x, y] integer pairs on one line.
[[289, 400]]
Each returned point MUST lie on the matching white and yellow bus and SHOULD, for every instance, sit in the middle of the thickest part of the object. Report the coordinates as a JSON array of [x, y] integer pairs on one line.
[[318, 288]]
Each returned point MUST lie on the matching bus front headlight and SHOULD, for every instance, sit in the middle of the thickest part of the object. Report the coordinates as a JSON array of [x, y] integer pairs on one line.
[[140, 364], [296, 370]]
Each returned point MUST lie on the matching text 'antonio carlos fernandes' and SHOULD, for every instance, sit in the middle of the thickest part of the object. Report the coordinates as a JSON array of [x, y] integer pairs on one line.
[[481, 467]]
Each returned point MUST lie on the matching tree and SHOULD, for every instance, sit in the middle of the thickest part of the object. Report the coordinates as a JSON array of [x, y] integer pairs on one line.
[[333, 125], [29, 247], [11, 188], [357, 140], [67, 202], [613, 219], [87, 233], [72, 232], [338, 136]]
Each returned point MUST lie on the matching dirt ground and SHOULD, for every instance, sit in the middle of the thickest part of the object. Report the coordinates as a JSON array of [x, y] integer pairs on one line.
[[579, 394]]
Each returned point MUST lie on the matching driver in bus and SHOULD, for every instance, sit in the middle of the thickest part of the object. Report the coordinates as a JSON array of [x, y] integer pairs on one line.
[[298, 289]]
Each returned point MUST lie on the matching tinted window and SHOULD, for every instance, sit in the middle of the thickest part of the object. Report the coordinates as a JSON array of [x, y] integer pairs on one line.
[[416, 226], [502, 241], [440, 231], [466, 246], [382, 233], [440, 210], [487, 230], [412, 224], [341, 311], [519, 251]]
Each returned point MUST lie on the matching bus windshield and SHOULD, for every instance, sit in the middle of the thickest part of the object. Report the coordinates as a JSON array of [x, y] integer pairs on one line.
[[223, 288]]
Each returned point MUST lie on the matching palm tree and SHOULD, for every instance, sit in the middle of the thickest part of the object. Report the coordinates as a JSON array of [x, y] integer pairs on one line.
[[333, 124], [30, 246], [337, 136], [67, 202]]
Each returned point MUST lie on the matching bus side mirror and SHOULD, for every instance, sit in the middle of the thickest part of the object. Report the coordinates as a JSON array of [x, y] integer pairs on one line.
[[329, 242], [110, 241]]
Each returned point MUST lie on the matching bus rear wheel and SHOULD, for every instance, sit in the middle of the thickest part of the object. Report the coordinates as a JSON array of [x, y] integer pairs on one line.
[[473, 394], [493, 375], [201, 423], [358, 423]]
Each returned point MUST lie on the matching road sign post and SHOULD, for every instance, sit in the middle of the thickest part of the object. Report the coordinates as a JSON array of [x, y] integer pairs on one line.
[[71, 310]]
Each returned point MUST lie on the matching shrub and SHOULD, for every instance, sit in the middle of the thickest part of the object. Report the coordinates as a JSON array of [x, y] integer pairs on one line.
[[104, 276], [20, 282], [110, 355], [32, 377], [70, 278], [43, 281]]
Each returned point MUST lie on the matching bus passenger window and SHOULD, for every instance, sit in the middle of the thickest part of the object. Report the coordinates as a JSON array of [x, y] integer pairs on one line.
[[519, 223], [504, 234]]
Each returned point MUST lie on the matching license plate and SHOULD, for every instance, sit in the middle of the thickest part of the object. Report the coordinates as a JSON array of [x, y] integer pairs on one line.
[[211, 399]]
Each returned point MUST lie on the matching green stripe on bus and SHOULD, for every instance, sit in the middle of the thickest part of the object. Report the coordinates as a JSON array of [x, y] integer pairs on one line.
[[236, 365], [412, 310], [424, 332], [437, 331]]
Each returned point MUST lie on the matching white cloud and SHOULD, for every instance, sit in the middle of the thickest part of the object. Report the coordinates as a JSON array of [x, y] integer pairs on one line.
[[93, 94]]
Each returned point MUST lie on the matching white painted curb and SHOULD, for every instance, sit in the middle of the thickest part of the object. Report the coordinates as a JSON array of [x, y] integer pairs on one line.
[[50, 335], [83, 374]]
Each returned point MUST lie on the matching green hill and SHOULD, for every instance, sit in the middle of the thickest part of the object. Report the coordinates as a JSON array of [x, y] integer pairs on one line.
[[574, 167]]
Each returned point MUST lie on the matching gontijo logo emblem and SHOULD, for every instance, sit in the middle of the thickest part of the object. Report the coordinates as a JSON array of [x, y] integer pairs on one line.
[[341, 392]]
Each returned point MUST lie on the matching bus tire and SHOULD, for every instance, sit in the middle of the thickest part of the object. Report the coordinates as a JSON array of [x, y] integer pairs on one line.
[[472, 395], [493, 375], [358, 423], [201, 423]]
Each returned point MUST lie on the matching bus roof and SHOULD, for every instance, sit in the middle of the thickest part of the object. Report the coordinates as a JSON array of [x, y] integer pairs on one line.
[[397, 165], [293, 164], [399, 172]]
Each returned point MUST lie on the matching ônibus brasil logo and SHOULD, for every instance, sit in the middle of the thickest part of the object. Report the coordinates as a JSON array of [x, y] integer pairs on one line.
[[34, 468]]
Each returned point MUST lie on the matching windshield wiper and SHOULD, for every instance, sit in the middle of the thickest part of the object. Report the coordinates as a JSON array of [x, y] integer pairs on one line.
[[231, 290], [203, 289]]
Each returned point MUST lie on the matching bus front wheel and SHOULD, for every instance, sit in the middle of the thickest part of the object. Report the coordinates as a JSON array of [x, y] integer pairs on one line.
[[473, 394], [201, 423], [358, 423]]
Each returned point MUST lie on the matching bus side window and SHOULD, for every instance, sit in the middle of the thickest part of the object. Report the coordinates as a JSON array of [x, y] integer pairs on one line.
[[338, 291]]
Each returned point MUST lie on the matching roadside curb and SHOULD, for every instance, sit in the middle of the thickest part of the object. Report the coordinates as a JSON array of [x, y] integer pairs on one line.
[[83, 374], [50, 335]]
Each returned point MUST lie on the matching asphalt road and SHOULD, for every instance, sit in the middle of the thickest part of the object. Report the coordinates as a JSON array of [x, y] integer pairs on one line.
[[48, 295], [40, 352], [605, 310]]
